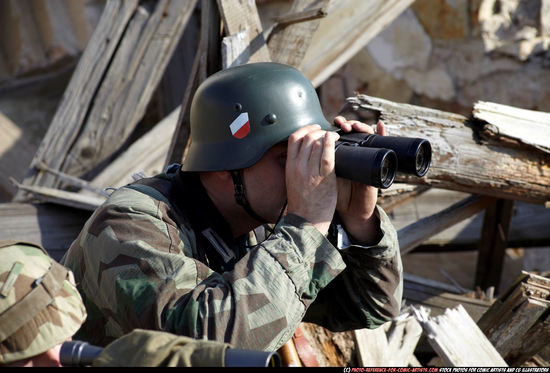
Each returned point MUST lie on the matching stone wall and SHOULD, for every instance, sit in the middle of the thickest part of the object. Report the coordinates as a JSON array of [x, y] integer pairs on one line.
[[448, 54]]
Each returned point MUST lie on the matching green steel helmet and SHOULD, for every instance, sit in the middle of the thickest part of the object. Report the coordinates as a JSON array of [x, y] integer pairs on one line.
[[39, 304], [239, 113]]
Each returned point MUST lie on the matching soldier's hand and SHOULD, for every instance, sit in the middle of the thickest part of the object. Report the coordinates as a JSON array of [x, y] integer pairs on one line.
[[356, 201], [310, 175]]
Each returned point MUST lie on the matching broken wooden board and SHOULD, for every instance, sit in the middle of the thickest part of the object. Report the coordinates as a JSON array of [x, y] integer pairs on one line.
[[439, 296], [459, 160], [205, 63], [518, 322], [147, 154], [527, 229], [457, 339], [55, 227], [62, 197], [292, 33], [348, 27], [414, 234], [111, 86], [392, 344], [397, 194], [493, 244], [242, 16], [526, 126]]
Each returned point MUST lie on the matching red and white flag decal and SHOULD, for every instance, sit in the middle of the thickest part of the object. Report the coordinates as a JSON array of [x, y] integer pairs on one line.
[[240, 126]]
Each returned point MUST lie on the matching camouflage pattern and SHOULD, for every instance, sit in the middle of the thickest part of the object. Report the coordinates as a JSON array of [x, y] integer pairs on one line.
[[39, 304], [148, 348], [137, 266]]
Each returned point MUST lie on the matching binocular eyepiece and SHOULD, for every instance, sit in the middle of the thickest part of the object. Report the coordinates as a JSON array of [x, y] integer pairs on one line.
[[374, 159]]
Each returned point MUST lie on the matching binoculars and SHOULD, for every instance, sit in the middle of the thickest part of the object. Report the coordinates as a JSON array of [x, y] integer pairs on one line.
[[374, 159]]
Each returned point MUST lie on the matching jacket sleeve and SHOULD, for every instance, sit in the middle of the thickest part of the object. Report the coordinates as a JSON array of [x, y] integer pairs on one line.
[[137, 270], [148, 348], [369, 291]]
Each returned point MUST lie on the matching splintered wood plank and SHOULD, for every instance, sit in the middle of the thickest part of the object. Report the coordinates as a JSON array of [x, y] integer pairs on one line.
[[129, 84], [242, 16], [518, 322], [414, 234], [54, 227], [457, 339], [493, 243], [112, 85], [372, 347], [291, 36], [438, 296], [147, 155], [348, 27], [460, 161], [527, 126], [73, 108], [204, 64]]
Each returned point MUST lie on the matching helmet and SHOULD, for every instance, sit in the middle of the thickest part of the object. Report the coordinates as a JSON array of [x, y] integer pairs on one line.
[[39, 304], [239, 113]]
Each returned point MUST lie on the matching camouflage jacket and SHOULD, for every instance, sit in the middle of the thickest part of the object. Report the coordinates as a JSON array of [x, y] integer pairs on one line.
[[158, 255]]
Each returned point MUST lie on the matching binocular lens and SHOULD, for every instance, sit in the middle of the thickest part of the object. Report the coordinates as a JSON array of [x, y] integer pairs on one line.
[[414, 155], [423, 158], [370, 166], [385, 156]]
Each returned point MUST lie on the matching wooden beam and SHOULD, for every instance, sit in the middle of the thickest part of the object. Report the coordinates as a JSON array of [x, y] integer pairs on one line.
[[291, 37], [527, 229], [86, 80], [457, 339], [70, 180], [243, 15], [527, 126], [518, 322], [111, 87], [203, 66], [55, 227], [398, 194], [391, 344], [147, 154], [303, 15], [460, 160], [414, 234], [372, 347], [493, 243], [439, 296], [348, 27], [62, 197]]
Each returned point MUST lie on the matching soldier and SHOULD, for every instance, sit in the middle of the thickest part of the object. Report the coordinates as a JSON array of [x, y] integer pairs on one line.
[[41, 309], [185, 252]]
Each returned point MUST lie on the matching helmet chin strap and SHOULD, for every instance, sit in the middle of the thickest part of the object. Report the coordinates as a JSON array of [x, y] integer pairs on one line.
[[240, 196]]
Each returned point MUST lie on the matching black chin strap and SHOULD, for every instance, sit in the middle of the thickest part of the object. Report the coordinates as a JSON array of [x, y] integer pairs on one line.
[[240, 196]]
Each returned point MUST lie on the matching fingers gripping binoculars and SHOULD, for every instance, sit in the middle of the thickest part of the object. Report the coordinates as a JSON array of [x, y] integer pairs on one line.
[[374, 159]]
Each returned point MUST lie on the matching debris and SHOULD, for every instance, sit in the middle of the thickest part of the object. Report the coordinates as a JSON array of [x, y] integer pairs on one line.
[[457, 339], [518, 322]]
